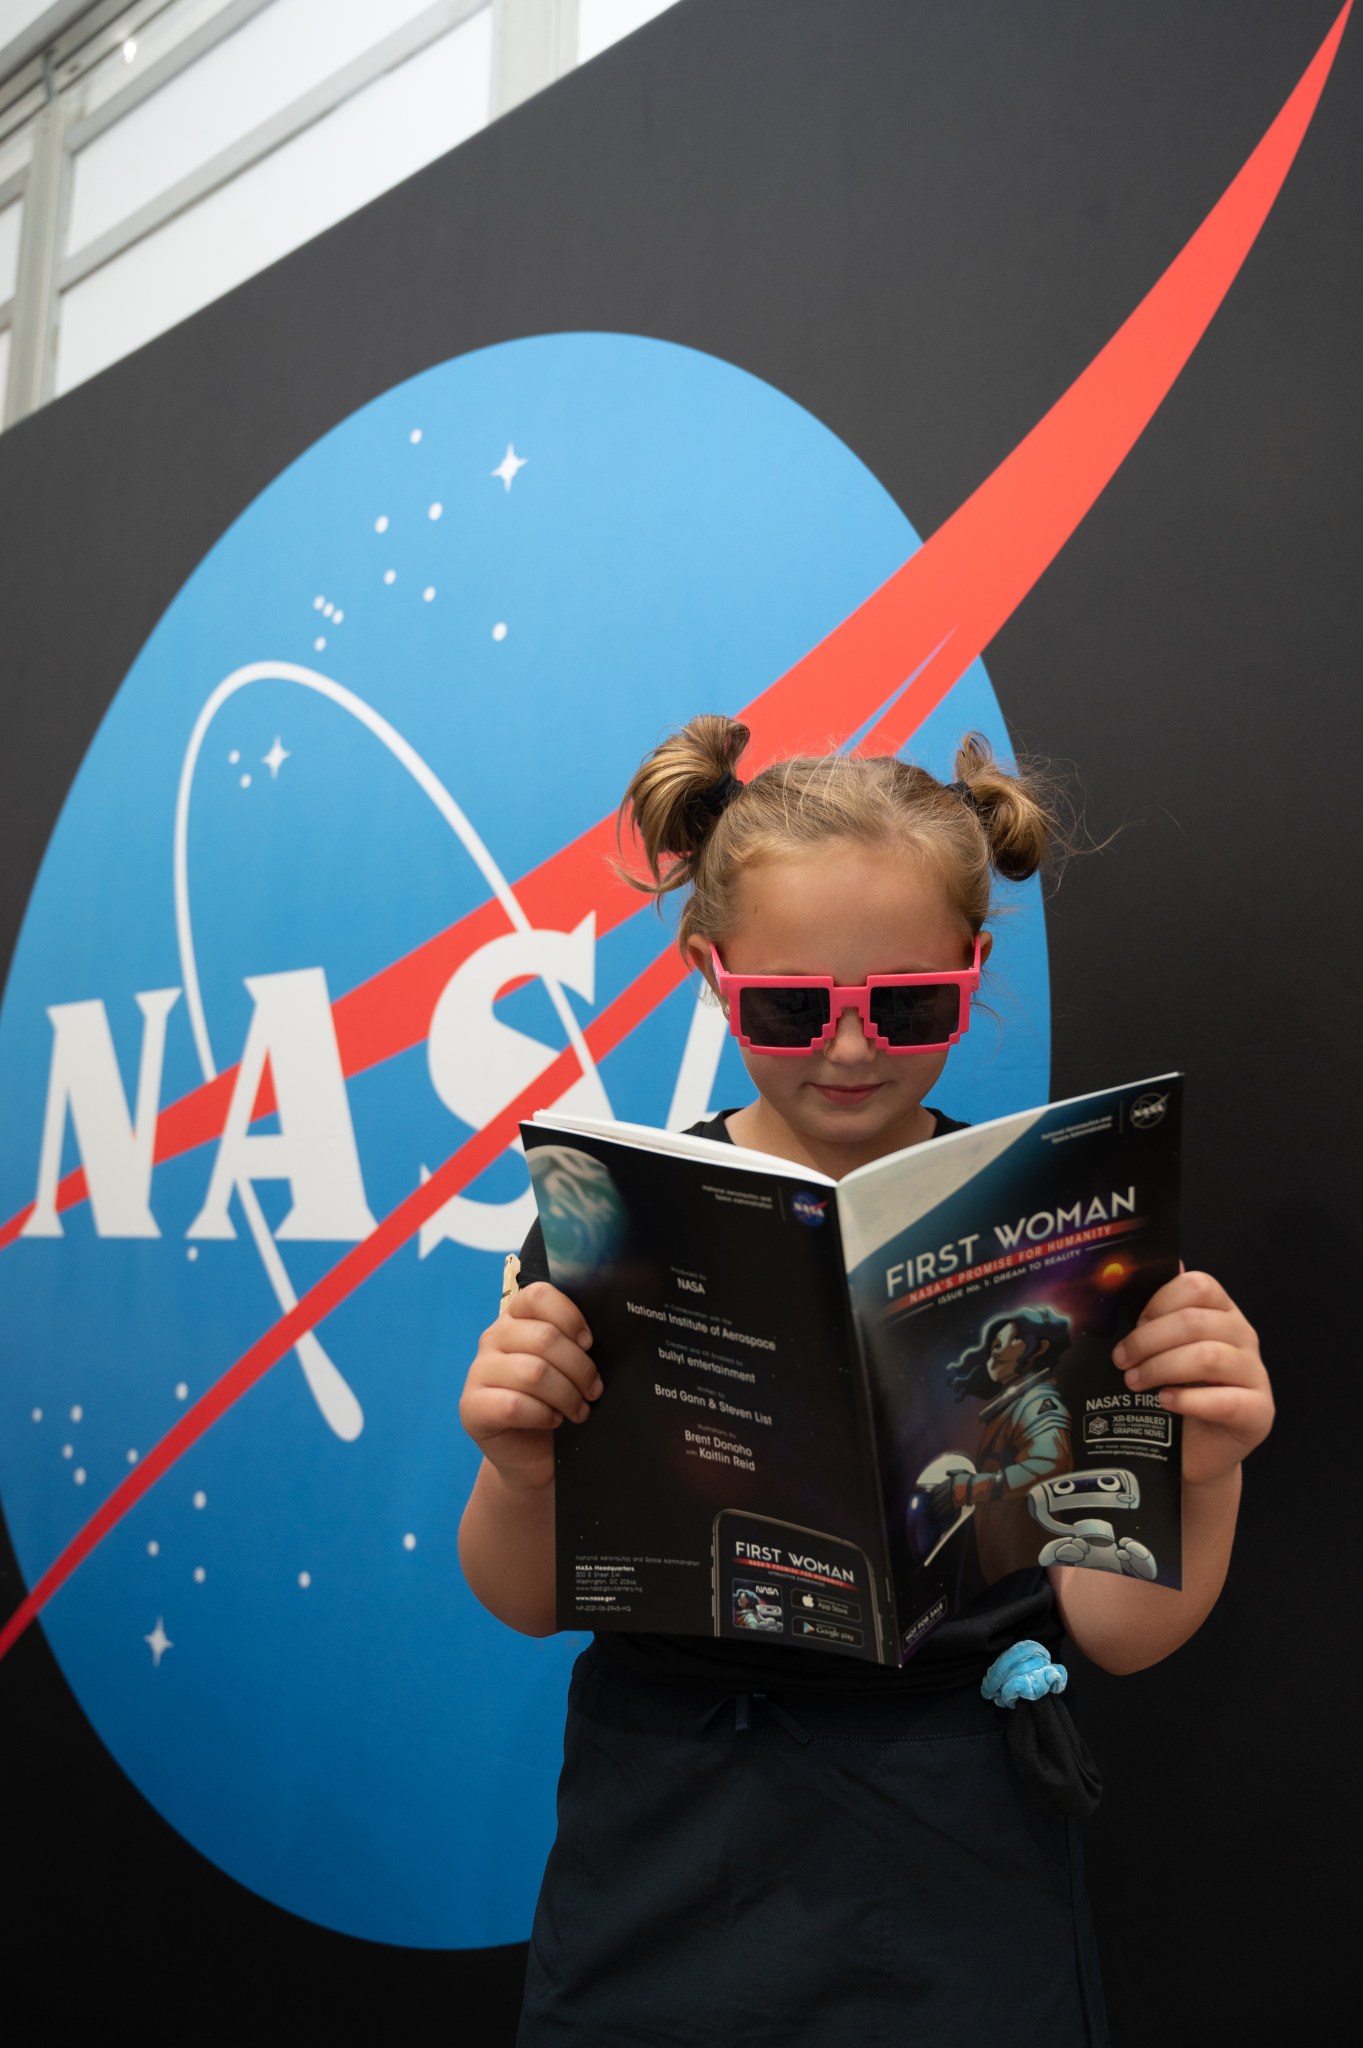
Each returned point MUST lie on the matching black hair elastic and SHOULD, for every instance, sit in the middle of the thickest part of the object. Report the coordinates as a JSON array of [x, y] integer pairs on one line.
[[720, 795], [965, 793]]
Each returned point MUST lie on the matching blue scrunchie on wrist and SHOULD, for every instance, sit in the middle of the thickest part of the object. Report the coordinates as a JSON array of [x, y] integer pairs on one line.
[[1024, 1671]]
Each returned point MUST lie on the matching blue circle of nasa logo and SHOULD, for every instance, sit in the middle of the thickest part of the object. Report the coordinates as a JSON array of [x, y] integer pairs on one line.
[[809, 1208], [316, 910]]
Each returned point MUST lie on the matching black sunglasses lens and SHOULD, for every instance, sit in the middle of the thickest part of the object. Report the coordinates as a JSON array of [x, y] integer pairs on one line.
[[784, 1018], [917, 1016]]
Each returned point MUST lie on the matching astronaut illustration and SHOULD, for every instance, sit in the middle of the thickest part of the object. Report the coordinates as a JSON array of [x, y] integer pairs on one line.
[[1026, 1424], [1092, 1544], [752, 1612]]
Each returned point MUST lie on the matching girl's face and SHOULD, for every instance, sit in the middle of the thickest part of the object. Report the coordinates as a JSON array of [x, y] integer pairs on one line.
[[1005, 1354], [847, 910]]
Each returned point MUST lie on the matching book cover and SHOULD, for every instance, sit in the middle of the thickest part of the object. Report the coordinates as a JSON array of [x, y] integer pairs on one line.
[[835, 1411]]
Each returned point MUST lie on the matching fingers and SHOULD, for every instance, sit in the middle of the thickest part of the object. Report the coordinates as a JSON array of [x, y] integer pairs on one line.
[[1191, 1335], [1182, 1329], [1198, 1353], [1198, 1365], [532, 1371], [1237, 1410], [528, 1338], [540, 1302], [1189, 1290], [520, 1390]]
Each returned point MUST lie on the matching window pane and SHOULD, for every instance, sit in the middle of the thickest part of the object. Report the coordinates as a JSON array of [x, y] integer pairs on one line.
[[279, 55], [11, 220], [4, 367], [16, 16], [395, 126], [160, 34], [602, 22], [16, 151]]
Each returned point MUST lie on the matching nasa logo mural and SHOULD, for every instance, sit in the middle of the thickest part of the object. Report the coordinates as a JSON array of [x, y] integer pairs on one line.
[[259, 998]]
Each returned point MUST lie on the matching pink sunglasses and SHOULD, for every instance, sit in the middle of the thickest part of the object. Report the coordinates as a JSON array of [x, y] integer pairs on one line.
[[797, 1014]]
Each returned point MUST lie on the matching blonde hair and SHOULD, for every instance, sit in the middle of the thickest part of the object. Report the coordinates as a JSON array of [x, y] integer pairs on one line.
[[696, 830]]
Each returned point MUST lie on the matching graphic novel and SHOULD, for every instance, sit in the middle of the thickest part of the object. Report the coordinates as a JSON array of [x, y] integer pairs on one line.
[[835, 1411]]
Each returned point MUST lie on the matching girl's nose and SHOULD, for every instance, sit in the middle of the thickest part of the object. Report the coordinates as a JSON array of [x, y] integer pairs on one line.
[[849, 1044]]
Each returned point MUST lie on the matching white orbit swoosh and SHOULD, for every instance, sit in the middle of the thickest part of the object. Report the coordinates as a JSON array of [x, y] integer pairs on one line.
[[332, 1393]]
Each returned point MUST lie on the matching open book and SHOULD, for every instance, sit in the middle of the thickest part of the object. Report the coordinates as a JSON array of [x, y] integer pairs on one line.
[[833, 1411]]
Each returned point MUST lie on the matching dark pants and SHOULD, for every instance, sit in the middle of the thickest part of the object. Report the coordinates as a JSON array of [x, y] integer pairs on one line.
[[799, 1871]]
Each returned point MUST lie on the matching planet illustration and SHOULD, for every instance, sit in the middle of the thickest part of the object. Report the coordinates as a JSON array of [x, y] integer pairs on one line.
[[580, 1208]]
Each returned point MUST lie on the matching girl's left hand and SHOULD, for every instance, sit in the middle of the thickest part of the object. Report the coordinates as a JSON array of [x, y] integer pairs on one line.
[[1193, 1344]]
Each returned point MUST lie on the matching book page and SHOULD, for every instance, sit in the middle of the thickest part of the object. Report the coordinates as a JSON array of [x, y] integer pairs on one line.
[[723, 1484], [1006, 1437], [893, 1193], [684, 1144]]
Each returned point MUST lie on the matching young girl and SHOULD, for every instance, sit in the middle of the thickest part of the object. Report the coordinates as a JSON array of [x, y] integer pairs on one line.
[[758, 1843]]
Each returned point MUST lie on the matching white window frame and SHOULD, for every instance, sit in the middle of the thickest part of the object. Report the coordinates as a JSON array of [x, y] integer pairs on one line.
[[42, 102]]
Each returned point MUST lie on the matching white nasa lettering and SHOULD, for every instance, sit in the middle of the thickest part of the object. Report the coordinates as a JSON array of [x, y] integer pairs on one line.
[[478, 1064], [314, 1148], [115, 1149]]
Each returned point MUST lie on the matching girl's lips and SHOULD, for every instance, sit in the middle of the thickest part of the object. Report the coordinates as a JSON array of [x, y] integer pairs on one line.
[[847, 1094]]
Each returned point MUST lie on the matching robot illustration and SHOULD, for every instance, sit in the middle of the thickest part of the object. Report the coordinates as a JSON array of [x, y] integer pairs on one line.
[[1026, 1424], [1091, 1544]]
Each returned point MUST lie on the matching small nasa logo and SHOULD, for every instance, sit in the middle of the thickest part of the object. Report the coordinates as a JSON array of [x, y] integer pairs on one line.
[[1147, 1111], [809, 1208]]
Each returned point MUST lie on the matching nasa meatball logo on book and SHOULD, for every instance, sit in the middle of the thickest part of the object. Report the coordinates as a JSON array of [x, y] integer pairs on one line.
[[1147, 1112]]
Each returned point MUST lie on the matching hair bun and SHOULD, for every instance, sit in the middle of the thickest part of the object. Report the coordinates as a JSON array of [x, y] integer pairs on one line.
[[679, 793], [1010, 809]]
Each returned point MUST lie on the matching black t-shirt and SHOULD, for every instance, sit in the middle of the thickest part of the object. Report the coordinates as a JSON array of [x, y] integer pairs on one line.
[[958, 1652]]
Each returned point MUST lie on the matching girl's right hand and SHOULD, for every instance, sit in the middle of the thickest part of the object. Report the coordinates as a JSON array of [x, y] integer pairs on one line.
[[531, 1371]]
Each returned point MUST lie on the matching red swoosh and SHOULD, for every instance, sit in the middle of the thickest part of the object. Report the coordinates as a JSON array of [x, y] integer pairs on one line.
[[938, 611]]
